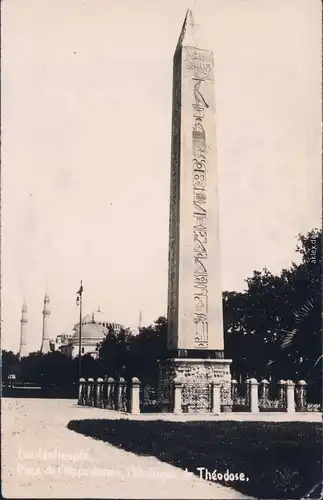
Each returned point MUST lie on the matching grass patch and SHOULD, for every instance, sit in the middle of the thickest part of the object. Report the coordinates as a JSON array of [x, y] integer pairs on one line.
[[280, 460]]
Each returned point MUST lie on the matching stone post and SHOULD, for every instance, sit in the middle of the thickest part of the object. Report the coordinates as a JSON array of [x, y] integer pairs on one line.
[[264, 394], [290, 396], [104, 392], [264, 389], [216, 398], [301, 395], [253, 404], [85, 384], [89, 391], [177, 395], [93, 393], [120, 395], [282, 393], [247, 385], [110, 393], [135, 396], [99, 392], [81, 399], [85, 392]]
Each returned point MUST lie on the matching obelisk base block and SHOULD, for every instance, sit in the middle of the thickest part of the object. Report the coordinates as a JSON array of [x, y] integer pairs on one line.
[[197, 376]]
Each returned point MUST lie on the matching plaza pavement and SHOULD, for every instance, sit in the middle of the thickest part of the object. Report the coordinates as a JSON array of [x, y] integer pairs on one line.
[[89, 469]]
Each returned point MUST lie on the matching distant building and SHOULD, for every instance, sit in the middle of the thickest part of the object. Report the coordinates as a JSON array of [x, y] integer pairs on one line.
[[61, 340], [94, 328]]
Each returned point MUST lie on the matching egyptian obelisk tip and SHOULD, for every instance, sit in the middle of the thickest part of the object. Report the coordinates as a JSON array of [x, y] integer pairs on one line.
[[190, 34]]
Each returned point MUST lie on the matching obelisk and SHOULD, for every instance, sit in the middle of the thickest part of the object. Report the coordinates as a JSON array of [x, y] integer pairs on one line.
[[23, 349], [195, 324], [45, 346]]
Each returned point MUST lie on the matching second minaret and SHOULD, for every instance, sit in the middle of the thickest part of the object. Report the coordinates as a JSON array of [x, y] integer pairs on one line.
[[45, 346], [23, 350]]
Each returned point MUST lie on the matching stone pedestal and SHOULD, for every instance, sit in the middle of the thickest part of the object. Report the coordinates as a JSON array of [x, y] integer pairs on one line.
[[197, 377]]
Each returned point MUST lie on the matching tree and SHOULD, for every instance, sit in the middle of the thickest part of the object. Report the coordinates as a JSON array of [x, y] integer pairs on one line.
[[274, 326], [127, 355], [303, 341], [148, 348], [10, 364], [44, 370], [114, 351]]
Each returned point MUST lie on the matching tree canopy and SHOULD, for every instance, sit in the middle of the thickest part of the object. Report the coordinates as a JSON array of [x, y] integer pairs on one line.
[[274, 326]]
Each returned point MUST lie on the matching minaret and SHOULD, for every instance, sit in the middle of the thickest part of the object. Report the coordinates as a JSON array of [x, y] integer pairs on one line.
[[195, 326], [45, 346], [23, 350], [140, 320]]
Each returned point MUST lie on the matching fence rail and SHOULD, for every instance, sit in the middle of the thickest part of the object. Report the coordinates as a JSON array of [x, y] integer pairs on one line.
[[196, 397], [204, 397], [148, 398]]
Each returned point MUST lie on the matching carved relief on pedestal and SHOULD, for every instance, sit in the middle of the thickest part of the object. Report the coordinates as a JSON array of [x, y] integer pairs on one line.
[[197, 378], [199, 371]]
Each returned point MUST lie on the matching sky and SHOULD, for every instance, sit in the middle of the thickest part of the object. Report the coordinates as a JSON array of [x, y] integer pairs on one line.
[[86, 129]]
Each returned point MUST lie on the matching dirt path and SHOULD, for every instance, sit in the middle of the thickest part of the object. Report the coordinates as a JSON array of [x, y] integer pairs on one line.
[[41, 458]]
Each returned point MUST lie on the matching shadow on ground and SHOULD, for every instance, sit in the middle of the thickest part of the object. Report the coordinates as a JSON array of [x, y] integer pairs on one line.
[[279, 460]]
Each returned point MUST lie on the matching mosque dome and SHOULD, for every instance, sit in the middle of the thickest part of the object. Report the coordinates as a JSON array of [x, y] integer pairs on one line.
[[93, 326], [91, 331], [97, 317], [94, 330]]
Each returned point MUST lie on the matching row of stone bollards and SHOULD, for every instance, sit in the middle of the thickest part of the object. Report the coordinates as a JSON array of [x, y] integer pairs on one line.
[[111, 394]]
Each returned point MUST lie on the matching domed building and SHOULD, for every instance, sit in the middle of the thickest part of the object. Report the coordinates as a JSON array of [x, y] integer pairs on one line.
[[94, 328]]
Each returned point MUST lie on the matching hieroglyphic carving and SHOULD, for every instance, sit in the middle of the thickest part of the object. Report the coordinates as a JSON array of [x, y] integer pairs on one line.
[[174, 206], [200, 102], [200, 54], [199, 149], [200, 65], [199, 61]]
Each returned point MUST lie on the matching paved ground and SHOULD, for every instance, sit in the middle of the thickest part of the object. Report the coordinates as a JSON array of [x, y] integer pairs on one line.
[[80, 467]]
